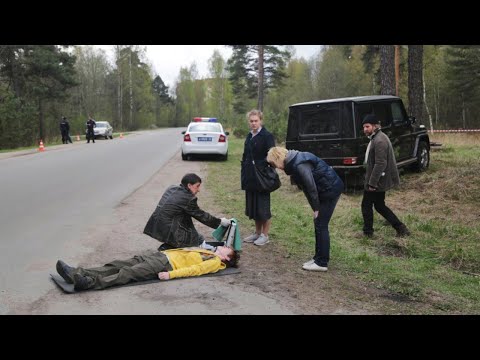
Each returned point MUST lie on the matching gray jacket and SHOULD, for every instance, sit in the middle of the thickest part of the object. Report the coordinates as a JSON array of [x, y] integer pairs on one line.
[[381, 172], [171, 222]]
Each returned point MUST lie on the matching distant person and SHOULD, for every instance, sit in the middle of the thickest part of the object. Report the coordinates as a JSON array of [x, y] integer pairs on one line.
[[164, 265], [322, 188], [381, 175], [90, 126], [65, 130], [257, 204], [171, 222]]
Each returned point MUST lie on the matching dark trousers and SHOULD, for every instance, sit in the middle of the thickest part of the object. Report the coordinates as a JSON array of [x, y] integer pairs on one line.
[[90, 135], [121, 272], [377, 199], [322, 234], [64, 137]]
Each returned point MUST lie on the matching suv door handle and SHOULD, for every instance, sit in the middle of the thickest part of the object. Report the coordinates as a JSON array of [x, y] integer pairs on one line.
[[334, 146]]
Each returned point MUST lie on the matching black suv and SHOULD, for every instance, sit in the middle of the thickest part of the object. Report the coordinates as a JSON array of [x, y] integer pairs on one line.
[[332, 130]]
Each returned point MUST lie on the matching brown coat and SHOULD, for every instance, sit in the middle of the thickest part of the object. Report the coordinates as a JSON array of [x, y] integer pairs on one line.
[[381, 172]]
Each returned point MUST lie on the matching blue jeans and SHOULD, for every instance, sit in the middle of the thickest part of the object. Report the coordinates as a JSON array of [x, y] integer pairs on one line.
[[322, 235]]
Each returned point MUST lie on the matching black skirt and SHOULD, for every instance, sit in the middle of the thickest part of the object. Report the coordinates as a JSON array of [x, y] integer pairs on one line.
[[257, 205]]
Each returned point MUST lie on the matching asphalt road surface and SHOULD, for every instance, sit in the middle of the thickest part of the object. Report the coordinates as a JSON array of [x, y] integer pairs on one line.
[[87, 204]]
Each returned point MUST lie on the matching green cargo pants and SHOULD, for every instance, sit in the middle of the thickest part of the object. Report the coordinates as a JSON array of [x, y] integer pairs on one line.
[[120, 272]]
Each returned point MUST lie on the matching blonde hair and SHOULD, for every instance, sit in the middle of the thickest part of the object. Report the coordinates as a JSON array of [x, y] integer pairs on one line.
[[276, 156], [255, 112]]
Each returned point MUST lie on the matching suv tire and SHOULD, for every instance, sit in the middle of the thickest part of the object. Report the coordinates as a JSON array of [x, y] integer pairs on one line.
[[423, 157]]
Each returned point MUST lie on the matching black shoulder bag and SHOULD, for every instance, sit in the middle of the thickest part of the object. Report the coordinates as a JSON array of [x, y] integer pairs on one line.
[[266, 176]]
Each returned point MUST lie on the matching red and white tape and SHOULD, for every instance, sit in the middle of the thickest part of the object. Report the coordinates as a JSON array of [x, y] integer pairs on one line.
[[455, 131]]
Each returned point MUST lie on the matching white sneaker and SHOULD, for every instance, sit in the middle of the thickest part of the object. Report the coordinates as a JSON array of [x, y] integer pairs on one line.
[[308, 262], [314, 267], [262, 240], [251, 238]]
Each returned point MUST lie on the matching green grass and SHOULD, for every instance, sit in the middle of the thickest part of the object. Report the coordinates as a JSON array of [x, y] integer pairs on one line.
[[439, 206]]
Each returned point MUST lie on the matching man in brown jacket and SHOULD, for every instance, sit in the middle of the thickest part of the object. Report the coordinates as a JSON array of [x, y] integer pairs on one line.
[[381, 175]]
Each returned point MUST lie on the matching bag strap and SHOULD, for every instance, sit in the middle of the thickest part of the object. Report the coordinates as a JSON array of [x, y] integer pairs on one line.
[[250, 148]]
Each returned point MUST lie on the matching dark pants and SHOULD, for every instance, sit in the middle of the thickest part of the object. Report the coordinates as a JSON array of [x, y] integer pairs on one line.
[[121, 272], [377, 199], [90, 135], [64, 137], [322, 234]]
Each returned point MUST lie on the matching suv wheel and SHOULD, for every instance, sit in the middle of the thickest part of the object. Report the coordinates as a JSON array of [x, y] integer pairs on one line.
[[184, 157], [423, 157]]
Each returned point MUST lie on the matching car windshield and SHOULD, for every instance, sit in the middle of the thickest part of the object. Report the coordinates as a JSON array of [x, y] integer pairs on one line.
[[202, 127], [101, 125]]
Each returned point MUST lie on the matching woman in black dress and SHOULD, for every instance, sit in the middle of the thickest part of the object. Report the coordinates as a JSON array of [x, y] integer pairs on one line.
[[257, 204]]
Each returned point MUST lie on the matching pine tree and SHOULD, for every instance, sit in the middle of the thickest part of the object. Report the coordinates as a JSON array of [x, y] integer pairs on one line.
[[253, 70], [49, 73]]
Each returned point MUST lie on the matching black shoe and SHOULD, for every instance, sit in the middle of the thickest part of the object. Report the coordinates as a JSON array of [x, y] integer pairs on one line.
[[83, 282], [165, 246], [65, 271], [402, 231]]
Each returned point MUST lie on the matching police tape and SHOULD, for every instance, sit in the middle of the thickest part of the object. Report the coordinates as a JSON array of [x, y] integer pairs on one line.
[[455, 131]]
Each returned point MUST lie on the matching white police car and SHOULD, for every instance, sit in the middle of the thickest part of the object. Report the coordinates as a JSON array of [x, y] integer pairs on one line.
[[205, 136]]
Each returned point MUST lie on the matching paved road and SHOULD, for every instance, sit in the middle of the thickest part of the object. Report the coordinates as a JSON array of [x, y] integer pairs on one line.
[[88, 204], [49, 199]]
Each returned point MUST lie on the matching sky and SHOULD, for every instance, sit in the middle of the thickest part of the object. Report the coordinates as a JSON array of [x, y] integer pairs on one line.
[[168, 59]]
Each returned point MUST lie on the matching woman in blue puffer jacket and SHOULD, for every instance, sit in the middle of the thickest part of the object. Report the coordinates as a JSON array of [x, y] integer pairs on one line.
[[322, 187]]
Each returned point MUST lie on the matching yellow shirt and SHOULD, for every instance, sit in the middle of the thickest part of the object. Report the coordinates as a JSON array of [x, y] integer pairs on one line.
[[193, 262]]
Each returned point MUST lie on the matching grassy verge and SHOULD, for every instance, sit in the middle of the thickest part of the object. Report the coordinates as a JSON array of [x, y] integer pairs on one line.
[[436, 265]]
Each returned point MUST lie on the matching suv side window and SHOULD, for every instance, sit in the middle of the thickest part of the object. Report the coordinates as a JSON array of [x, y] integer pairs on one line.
[[397, 114]]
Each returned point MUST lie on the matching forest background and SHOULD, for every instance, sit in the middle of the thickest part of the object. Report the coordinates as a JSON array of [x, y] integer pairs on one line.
[[39, 84]]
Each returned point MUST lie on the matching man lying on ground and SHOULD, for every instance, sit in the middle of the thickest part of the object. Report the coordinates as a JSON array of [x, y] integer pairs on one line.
[[166, 265]]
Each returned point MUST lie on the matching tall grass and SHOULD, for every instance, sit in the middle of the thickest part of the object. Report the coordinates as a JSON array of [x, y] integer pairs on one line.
[[437, 264]]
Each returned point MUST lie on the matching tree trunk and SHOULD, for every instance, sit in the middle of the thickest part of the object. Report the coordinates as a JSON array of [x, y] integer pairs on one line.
[[397, 70], [260, 77], [425, 101], [120, 97], [119, 87], [387, 70], [415, 85], [131, 92], [40, 117], [435, 98]]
